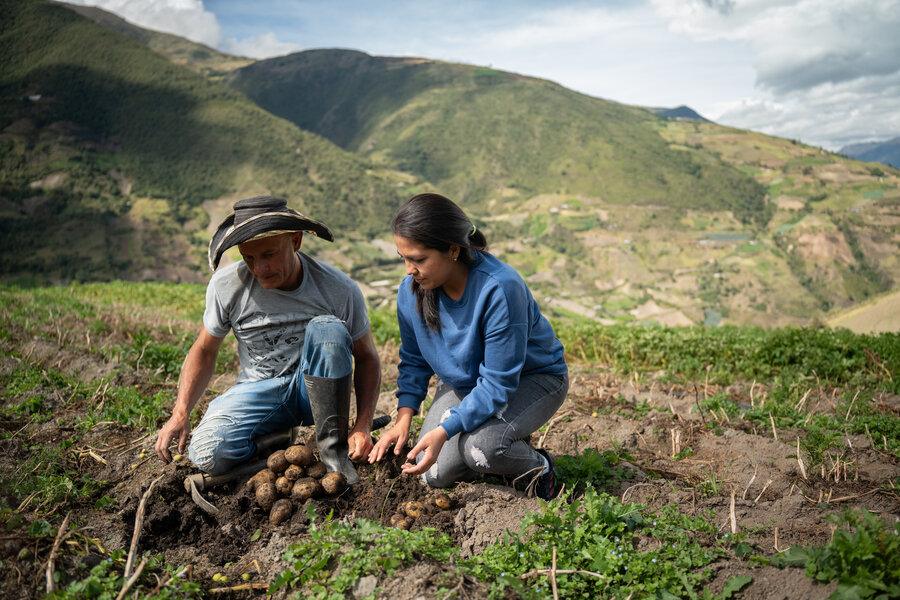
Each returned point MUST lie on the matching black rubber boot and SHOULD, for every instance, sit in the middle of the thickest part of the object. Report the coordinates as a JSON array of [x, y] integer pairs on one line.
[[276, 440], [329, 400]]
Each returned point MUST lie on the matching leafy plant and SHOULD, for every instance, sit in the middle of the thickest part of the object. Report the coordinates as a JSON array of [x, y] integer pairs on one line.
[[864, 559], [104, 581], [594, 541], [591, 468], [336, 555], [129, 406], [47, 476]]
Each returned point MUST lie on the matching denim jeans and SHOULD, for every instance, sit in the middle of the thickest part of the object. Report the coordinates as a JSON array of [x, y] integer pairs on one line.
[[499, 446], [249, 410]]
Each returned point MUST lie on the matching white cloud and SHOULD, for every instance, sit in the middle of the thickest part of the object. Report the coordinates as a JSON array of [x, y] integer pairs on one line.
[[830, 115], [186, 18], [265, 45], [827, 71], [191, 20], [798, 44]]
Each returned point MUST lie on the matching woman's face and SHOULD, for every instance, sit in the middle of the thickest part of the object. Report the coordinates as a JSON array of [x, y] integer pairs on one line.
[[430, 268]]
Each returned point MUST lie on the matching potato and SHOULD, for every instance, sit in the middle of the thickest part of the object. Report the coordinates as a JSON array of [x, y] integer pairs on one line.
[[299, 455], [283, 485], [430, 506], [396, 518], [317, 470], [277, 462], [265, 495], [294, 472], [413, 509], [403, 524], [281, 511], [334, 483], [305, 488], [264, 476], [443, 502]]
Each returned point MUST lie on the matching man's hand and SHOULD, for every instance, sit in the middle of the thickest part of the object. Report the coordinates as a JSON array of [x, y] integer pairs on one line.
[[431, 444], [195, 373], [360, 442], [176, 427]]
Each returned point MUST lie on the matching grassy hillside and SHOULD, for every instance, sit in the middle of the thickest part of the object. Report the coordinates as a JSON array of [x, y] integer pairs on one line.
[[95, 125], [610, 212], [475, 132], [179, 50]]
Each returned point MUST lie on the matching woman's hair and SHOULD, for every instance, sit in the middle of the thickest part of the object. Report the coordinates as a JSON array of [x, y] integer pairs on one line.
[[437, 223]]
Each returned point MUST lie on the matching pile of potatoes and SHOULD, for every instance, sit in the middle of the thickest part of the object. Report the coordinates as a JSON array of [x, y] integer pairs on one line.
[[293, 474], [410, 511]]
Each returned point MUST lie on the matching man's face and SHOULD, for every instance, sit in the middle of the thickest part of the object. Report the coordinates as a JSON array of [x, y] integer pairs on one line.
[[273, 260]]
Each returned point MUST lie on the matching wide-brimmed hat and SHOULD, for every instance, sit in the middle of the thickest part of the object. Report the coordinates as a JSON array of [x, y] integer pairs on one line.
[[259, 217]]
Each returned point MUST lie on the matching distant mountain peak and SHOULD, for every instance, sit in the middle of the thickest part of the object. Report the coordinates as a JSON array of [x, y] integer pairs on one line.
[[886, 152], [679, 112]]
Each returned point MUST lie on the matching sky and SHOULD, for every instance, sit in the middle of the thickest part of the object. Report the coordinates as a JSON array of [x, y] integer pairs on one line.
[[824, 72]]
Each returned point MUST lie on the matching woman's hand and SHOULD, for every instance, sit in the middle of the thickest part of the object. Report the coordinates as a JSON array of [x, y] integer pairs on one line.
[[431, 444], [396, 435]]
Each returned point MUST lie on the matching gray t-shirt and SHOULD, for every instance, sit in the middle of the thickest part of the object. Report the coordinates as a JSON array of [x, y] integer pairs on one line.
[[270, 324]]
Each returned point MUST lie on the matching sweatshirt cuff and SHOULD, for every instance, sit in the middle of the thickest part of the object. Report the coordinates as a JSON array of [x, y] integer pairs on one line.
[[452, 425], [409, 401]]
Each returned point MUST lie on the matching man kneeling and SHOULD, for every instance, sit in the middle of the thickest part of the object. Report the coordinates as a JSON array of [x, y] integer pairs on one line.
[[300, 325]]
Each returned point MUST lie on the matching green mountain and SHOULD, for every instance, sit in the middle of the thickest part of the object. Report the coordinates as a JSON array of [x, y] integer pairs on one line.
[[610, 212], [179, 50], [887, 152], [108, 152], [478, 133]]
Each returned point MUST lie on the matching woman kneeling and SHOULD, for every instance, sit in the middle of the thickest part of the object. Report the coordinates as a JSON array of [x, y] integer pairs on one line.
[[471, 320]]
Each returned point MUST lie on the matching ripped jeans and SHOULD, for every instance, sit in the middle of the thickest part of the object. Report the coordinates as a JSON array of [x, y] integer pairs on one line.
[[252, 409], [499, 446]]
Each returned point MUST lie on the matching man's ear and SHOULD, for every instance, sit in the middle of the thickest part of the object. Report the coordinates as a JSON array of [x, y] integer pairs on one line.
[[297, 239]]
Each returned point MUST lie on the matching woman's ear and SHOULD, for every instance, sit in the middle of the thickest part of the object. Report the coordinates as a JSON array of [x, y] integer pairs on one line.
[[454, 253]]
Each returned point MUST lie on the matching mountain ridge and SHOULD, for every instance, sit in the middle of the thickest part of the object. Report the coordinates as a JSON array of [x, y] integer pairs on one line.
[[886, 152], [475, 131], [610, 212], [98, 128]]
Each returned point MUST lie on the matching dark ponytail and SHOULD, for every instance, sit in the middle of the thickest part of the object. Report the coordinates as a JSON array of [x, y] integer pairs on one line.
[[437, 223]]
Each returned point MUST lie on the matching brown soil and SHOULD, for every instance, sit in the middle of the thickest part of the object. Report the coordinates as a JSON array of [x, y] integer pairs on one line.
[[733, 458]]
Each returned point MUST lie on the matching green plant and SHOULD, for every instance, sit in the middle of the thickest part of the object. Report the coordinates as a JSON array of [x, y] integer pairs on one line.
[[47, 478], [817, 442], [593, 541], [128, 406], [864, 558], [711, 485], [104, 581], [336, 555], [733, 585], [683, 453], [590, 468]]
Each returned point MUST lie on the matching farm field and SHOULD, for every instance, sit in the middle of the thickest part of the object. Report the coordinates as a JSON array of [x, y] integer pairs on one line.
[[698, 462]]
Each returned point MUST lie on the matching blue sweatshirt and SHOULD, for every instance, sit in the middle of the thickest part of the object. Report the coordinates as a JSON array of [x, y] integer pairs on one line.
[[492, 336]]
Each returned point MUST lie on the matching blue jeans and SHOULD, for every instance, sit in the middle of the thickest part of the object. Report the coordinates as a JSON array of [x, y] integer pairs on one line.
[[500, 445], [249, 410]]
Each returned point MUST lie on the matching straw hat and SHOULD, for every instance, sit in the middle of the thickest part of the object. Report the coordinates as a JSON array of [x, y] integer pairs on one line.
[[259, 217]]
